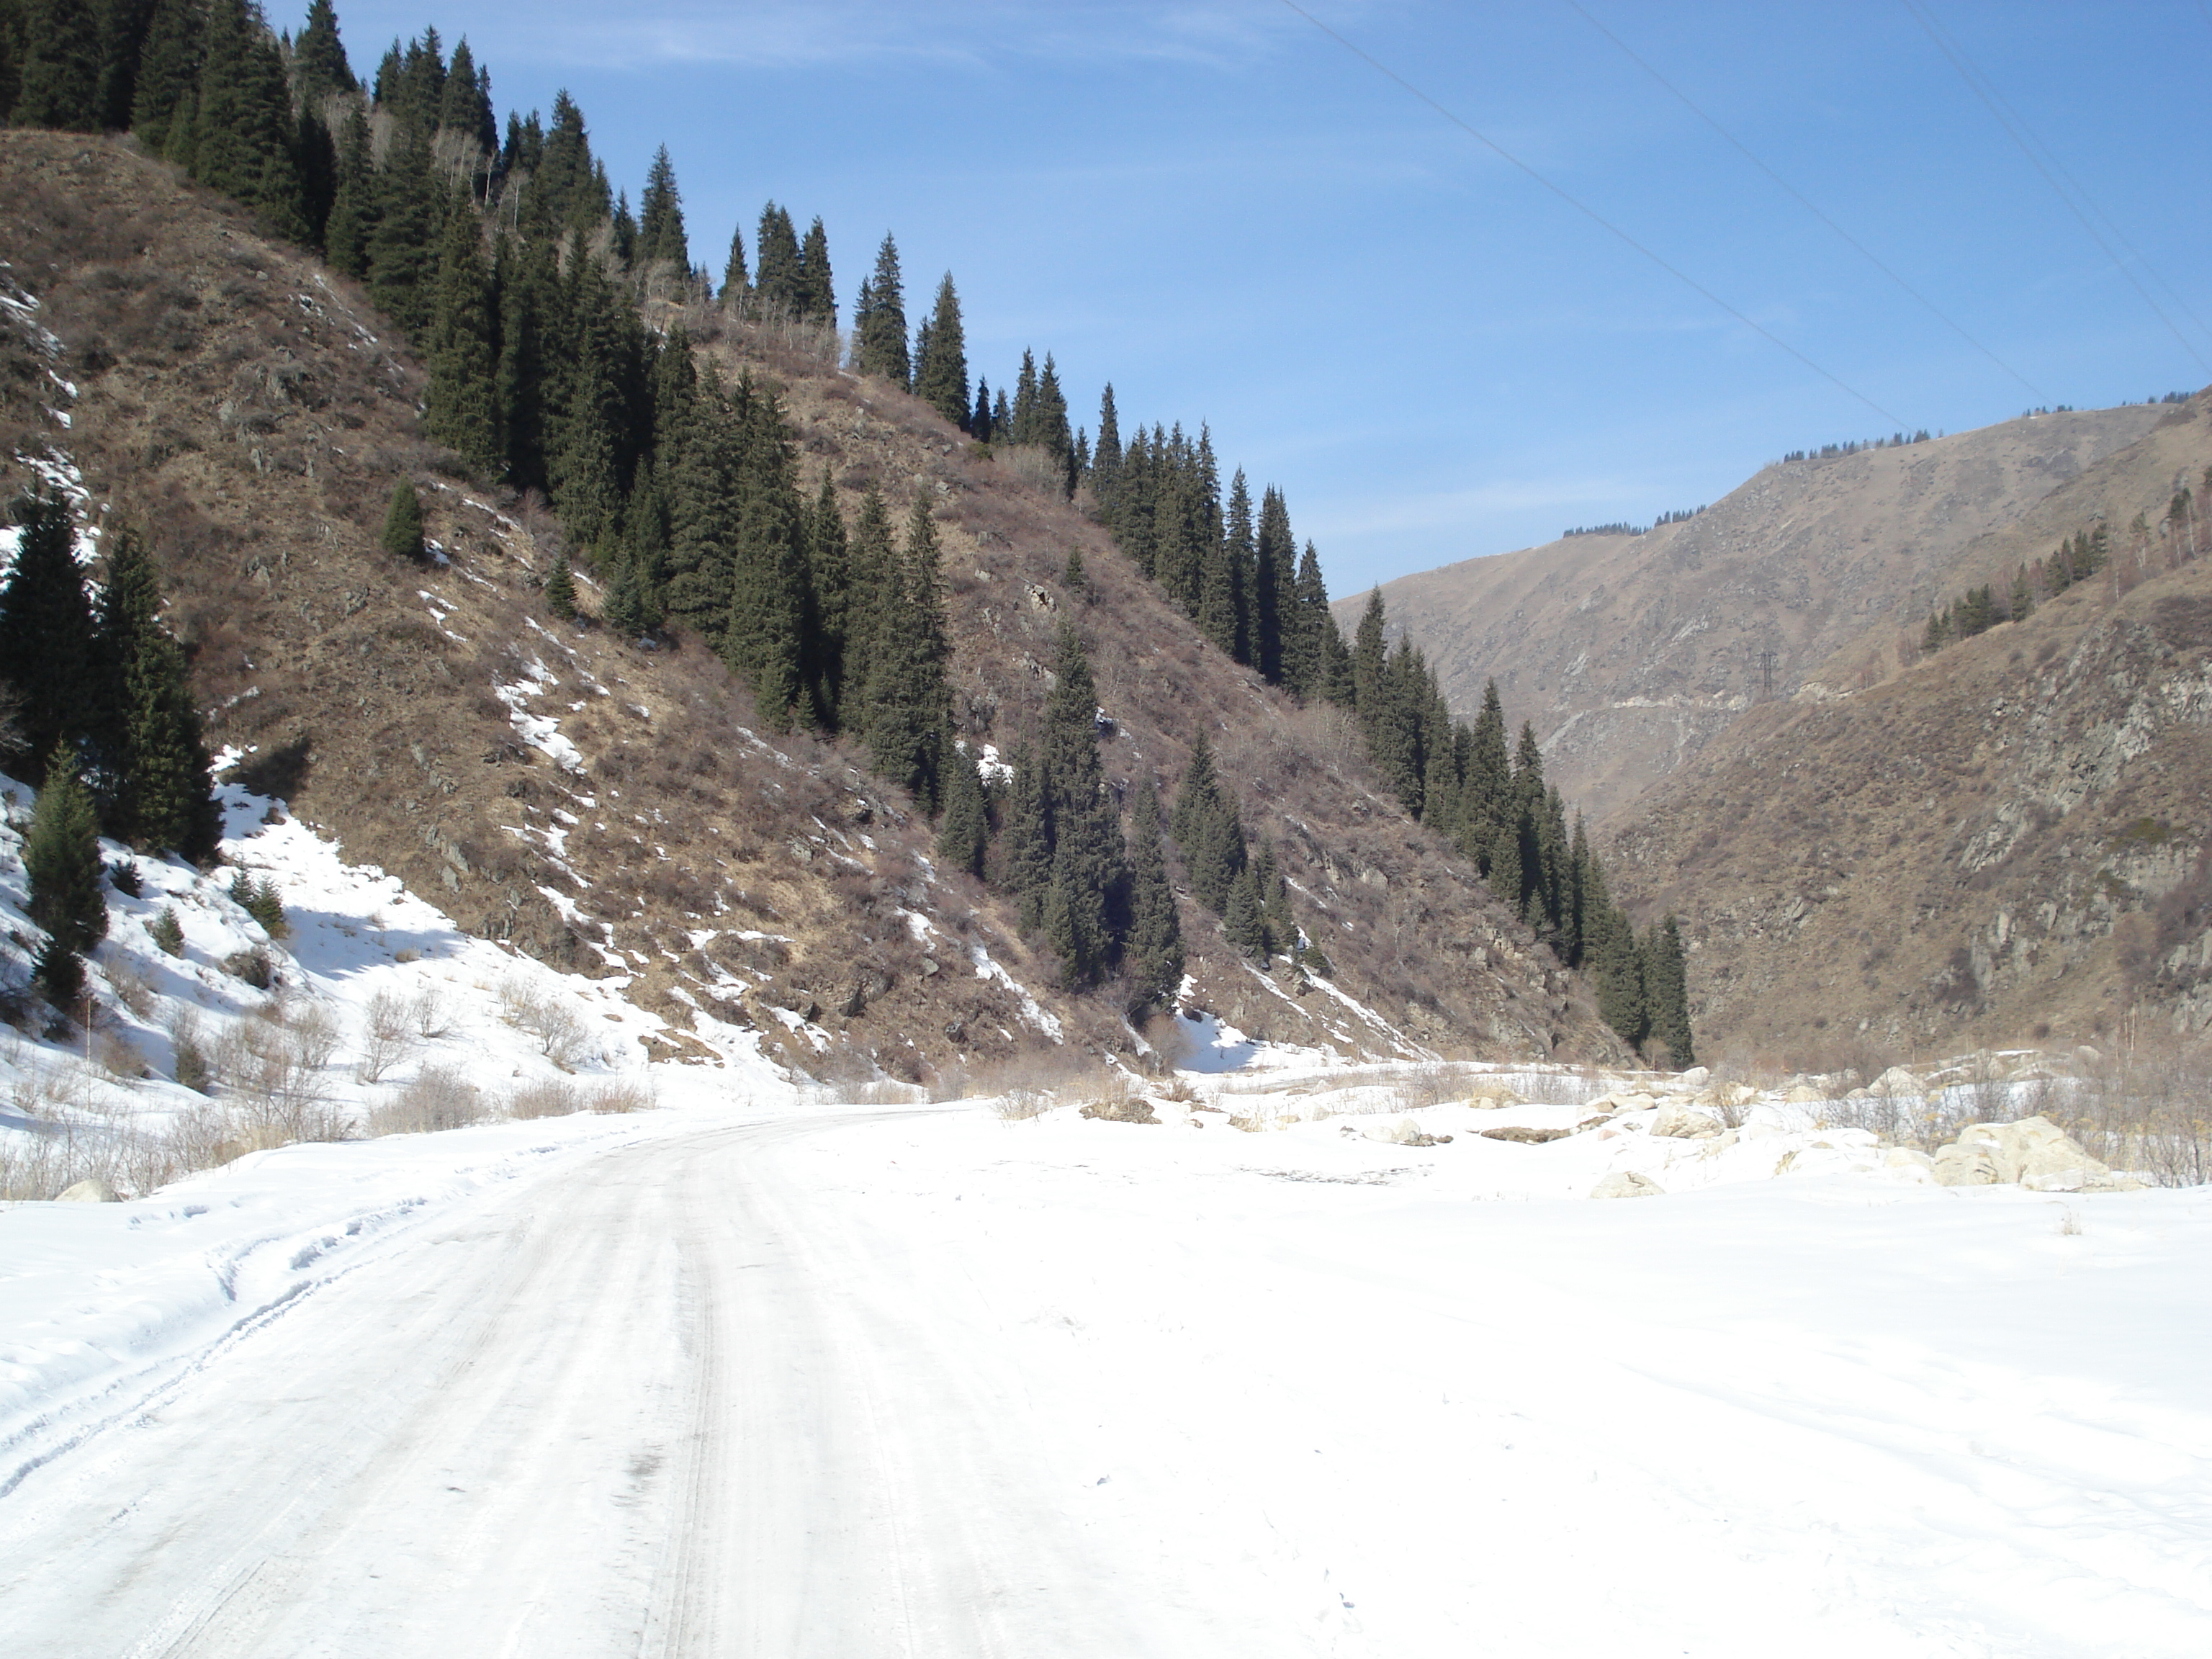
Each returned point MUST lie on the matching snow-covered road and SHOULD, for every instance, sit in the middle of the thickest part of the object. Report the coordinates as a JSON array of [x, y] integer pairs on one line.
[[860, 1381]]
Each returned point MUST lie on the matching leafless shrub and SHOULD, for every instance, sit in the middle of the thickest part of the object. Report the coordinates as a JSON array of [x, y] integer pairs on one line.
[[387, 1036], [426, 1012], [439, 1097], [119, 1057], [551, 1098], [2145, 1109], [272, 1082], [1018, 1105], [130, 989], [620, 1096], [195, 1067], [255, 967]]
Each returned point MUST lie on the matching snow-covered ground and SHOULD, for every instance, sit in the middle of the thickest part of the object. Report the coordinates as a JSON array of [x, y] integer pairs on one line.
[[1308, 1366]]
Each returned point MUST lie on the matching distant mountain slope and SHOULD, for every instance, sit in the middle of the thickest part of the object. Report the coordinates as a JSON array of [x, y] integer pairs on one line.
[[1630, 653], [2006, 841], [624, 810]]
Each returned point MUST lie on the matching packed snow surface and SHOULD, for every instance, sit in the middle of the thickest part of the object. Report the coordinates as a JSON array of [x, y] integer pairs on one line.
[[757, 1375]]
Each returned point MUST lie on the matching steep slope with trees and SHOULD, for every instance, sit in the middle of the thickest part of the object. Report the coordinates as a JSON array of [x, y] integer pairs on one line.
[[1630, 653], [698, 799], [2011, 838]]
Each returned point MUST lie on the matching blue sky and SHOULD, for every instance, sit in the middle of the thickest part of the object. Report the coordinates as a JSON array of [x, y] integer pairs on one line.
[[1234, 220]]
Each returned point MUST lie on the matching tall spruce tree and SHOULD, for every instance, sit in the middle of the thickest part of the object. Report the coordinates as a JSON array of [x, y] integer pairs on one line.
[[60, 865], [777, 276], [1666, 989], [318, 56], [879, 321], [46, 636], [1086, 911], [660, 236], [162, 796], [57, 65], [1153, 955], [1208, 830], [909, 704], [244, 128], [461, 405], [940, 371], [169, 71], [737, 281], [402, 536], [817, 292], [964, 834]]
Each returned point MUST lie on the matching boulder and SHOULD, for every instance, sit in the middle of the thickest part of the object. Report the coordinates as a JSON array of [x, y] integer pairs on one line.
[[1124, 1111], [1685, 1122], [1906, 1165], [1626, 1183], [1526, 1136], [1696, 1077], [1489, 1096], [92, 1190], [1804, 1094], [1898, 1081], [2034, 1151]]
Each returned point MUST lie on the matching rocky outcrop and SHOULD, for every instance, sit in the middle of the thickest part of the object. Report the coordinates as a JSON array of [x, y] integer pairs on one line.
[[2035, 1152]]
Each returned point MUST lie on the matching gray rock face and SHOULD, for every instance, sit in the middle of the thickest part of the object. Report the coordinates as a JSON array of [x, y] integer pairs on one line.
[[93, 1190], [1626, 1183]]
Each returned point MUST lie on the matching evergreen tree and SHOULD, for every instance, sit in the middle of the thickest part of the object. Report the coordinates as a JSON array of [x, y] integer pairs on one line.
[[461, 403], [1021, 423], [940, 370], [1086, 913], [1667, 990], [761, 636], [1274, 587], [660, 234], [560, 589], [1154, 951], [319, 59], [1222, 563], [403, 523], [980, 427], [123, 25], [1106, 454], [243, 128], [46, 636], [60, 864], [879, 321], [163, 796], [169, 71], [1025, 847], [403, 242], [736, 281], [777, 278], [57, 65], [817, 294], [872, 593], [1208, 830], [829, 592], [464, 109], [352, 214], [908, 701], [963, 834], [1369, 662]]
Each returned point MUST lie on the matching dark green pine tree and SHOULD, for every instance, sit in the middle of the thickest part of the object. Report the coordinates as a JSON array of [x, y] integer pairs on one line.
[[169, 71], [777, 277], [1665, 989], [1222, 565], [1051, 418], [763, 636], [46, 635], [1528, 795], [1002, 420], [1307, 615], [1274, 586], [318, 58], [817, 293], [1106, 454], [464, 111], [352, 216], [123, 25], [1609, 953], [879, 321], [244, 128], [829, 604], [164, 800], [661, 235], [524, 277], [1021, 421], [461, 404], [963, 834], [1086, 912], [584, 462], [1371, 660], [622, 234], [403, 242], [57, 63], [908, 701], [1208, 830], [940, 371], [1025, 843], [737, 281], [1241, 920], [60, 864], [1153, 954], [871, 579], [560, 589], [403, 523]]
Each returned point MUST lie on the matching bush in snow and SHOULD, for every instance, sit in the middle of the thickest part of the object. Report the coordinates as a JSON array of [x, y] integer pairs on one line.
[[167, 932], [261, 900], [61, 862], [439, 1098], [255, 967], [387, 1036]]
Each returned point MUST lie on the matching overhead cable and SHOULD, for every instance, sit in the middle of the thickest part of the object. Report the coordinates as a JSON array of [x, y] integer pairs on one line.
[[1593, 215], [2018, 130], [1797, 196]]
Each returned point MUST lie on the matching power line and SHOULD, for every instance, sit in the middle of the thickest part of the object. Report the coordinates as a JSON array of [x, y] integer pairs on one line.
[[1798, 197], [2018, 130], [1592, 214], [2075, 184]]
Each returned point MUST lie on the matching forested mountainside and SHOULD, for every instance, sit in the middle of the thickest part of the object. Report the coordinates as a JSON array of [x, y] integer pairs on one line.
[[1630, 651], [624, 799], [2005, 840]]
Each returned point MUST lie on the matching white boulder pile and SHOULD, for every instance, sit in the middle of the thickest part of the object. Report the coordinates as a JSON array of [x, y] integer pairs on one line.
[[2034, 1152]]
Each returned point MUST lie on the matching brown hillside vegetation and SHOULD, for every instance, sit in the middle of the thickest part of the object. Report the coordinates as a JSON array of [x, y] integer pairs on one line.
[[2005, 841], [254, 413], [1630, 654]]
